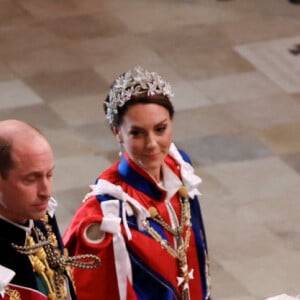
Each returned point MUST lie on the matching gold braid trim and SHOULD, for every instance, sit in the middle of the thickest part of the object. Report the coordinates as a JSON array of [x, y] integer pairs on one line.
[[47, 260]]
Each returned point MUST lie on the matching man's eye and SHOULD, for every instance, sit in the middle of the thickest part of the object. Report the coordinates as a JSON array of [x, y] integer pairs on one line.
[[29, 180]]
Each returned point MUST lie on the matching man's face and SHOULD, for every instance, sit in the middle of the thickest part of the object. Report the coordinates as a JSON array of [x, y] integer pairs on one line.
[[26, 191]]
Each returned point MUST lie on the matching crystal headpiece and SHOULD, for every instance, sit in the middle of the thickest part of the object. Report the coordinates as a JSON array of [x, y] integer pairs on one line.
[[134, 82]]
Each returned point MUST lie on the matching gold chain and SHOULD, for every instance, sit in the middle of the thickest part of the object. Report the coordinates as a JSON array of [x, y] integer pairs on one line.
[[182, 243]]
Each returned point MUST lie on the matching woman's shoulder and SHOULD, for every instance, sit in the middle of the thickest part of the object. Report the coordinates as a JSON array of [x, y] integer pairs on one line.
[[185, 156], [171, 161], [111, 174], [88, 208]]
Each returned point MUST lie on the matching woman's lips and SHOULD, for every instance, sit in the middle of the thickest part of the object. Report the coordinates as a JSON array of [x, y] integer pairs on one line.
[[152, 156]]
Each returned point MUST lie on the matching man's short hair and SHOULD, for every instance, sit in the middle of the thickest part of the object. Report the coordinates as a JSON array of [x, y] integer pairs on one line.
[[6, 162]]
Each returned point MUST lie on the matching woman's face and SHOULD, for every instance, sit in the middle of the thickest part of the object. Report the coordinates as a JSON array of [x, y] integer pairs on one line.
[[146, 134]]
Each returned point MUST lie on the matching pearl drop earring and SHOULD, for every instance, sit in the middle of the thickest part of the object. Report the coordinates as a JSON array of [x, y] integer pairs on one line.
[[120, 145]]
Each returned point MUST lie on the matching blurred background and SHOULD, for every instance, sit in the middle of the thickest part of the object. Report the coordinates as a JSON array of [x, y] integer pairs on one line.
[[235, 69]]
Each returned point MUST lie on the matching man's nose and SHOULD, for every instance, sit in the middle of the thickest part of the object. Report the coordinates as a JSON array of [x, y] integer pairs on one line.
[[45, 187]]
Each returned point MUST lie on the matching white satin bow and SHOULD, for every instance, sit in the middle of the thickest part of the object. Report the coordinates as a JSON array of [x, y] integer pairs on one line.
[[190, 179]]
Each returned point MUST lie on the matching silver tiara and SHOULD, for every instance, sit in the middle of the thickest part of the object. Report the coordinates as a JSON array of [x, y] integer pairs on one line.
[[134, 82]]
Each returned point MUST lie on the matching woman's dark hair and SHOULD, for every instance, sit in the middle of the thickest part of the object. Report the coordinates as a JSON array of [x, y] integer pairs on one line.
[[6, 162], [142, 98]]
